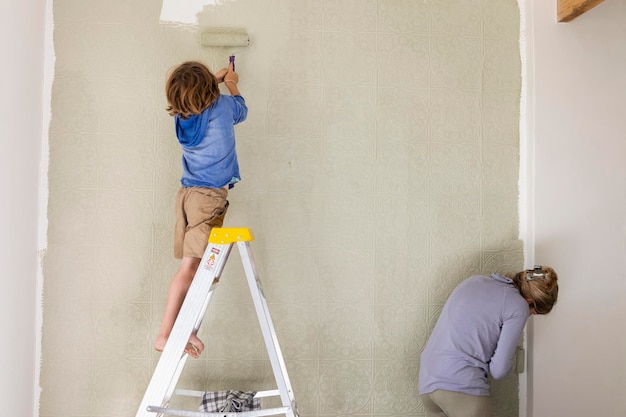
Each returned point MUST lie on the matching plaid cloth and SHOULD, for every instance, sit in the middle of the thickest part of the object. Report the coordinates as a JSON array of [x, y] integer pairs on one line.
[[230, 401]]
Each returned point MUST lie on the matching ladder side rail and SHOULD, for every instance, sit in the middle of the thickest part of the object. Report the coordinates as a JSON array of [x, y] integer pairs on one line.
[[172, 360], [267, 327], [181, 364], [211, 274], [174, 380], [226, 248]]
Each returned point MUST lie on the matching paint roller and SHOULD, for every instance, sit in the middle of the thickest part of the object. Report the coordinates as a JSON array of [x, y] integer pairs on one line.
[[225, 38]]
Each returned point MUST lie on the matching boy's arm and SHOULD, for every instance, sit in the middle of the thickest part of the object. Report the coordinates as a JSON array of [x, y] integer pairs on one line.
[[232, 87]]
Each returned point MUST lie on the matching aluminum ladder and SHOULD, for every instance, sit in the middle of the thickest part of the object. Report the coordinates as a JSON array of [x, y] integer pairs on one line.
[[162, 385]]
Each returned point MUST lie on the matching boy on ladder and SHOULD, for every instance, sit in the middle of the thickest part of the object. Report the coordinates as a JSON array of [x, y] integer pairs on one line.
[[204, 121]]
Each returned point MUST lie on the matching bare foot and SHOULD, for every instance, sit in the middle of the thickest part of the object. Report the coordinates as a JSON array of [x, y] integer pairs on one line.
[[194, 347], [159, 343]]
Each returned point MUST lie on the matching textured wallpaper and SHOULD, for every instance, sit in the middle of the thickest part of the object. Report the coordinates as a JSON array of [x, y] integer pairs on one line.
[[380, 168]]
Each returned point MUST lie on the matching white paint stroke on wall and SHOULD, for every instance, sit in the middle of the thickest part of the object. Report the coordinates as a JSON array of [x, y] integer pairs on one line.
[[183, 11]]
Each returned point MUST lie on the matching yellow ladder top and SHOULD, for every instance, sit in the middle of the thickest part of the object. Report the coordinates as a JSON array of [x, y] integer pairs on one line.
[[224, 235]]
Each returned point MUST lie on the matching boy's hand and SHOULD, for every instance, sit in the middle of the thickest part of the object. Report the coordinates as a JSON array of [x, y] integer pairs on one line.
[[230, 81], [231, 76], [220, 74]]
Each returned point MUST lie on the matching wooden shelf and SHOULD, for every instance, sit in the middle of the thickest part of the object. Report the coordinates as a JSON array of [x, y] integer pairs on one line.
[[568, 10]]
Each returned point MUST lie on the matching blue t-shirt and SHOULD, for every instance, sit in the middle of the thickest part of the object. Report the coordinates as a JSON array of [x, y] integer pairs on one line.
[[476, 334], [208, 143]]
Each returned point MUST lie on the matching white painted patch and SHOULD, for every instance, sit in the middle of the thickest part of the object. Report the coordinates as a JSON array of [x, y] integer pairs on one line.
[[183, 11]]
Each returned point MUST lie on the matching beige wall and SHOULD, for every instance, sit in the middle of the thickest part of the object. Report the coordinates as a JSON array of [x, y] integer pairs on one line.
[[579, 100], [380, 165]]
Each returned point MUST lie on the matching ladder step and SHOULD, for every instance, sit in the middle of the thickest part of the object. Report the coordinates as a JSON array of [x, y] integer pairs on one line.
[[186, 413], [223, 236], [199, 394]]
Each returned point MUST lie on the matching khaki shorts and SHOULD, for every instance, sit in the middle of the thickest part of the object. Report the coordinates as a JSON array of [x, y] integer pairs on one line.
[[441, 403], [198, 210]]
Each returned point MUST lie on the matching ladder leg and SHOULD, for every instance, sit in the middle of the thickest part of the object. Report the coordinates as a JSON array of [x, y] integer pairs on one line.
[[172, 360], [267, 328]]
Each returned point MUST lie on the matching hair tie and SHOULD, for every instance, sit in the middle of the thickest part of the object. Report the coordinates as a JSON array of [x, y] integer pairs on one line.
[[537, 274]]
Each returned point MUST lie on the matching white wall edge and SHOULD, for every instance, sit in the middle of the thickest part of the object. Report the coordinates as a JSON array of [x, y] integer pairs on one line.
[[42, 226], [526, 182]]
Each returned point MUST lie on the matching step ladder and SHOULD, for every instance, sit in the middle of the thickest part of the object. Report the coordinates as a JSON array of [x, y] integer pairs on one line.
[[162, 386]]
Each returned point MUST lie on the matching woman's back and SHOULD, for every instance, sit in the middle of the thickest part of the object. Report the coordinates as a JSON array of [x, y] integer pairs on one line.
[[477, 333]]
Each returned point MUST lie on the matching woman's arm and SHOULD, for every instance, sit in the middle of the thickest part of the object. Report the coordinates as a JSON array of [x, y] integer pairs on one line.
[[511, 332]]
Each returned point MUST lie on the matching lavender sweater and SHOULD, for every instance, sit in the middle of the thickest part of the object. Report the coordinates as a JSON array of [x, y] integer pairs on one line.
[[476, 334]]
